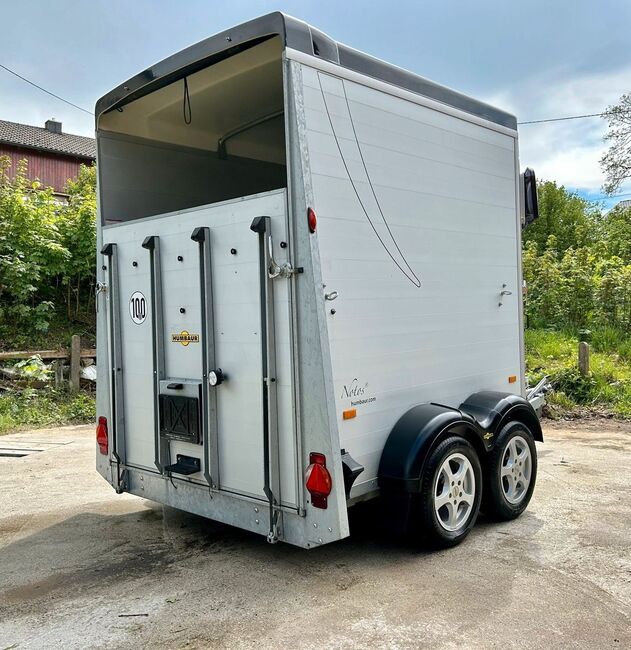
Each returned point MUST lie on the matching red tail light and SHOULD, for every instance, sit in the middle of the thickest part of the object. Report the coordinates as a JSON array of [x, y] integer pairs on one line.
[[101, 435], [318, 480], [312, 220]]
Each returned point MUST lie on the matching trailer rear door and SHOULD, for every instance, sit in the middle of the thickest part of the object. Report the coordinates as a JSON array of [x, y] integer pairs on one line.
[[189, 293]]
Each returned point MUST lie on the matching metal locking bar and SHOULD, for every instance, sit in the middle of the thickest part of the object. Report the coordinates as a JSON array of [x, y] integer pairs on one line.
[[210, 435], [271, 447], [152, 244], [115, 365]]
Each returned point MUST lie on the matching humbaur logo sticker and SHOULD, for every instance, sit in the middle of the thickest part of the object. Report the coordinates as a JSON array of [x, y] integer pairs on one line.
[[138, 307], [184, 338], [357, 391]]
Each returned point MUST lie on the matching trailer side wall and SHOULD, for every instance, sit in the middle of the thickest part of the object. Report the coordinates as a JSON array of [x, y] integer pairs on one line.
[[418, 235]]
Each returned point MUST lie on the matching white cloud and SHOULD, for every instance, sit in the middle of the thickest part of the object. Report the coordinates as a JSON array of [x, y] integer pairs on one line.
[[567, 152]]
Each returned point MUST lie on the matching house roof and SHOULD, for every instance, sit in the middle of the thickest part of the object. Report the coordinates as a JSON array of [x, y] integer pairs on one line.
[[35, 137]]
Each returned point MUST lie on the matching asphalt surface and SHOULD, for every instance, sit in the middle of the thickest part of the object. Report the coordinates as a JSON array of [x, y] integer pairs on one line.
[[83, 567]]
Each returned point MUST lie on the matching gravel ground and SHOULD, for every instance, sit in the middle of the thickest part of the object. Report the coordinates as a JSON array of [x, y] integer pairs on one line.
[[83, 567]]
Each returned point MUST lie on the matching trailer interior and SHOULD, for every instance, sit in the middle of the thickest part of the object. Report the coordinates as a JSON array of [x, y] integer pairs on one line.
[[210, 136]]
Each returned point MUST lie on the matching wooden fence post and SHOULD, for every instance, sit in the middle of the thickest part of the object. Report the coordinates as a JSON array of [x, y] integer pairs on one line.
[[58, 367], [583, 358], [75, 363]]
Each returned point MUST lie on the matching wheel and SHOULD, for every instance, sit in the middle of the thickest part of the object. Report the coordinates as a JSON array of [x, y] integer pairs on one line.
[[511, 473], [451, 490]]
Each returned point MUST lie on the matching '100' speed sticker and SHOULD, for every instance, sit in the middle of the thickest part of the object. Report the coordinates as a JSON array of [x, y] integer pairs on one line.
[[138, 307]]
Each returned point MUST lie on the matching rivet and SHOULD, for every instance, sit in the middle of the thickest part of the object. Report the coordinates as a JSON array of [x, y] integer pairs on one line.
[[233, 251], [256, 520], [256, 509], [320, 540], [182, 310], [330, 529], [315, 525], [104, 267], [283, 244], [332, 311], [180, 258], [134, 263]]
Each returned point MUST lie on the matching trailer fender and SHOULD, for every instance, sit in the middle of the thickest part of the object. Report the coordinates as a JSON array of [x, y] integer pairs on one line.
[[407, 448], [412, 438], [493, 409]]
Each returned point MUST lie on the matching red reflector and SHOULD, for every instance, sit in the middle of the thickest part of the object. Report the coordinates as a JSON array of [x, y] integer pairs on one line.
[[312, 220], [101, 435], [318, 480]]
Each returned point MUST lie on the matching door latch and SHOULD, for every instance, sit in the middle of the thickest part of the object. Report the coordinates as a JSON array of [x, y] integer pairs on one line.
[[276, 270], [504, 292]]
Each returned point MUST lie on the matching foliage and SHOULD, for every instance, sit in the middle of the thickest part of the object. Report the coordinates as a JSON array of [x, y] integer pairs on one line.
[[607, 388], [44, 408], [566, 216], [577, 264], [47, 252], [616, 163], [33, 368]]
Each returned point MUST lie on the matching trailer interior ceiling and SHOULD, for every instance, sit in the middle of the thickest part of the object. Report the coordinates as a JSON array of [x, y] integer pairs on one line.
[[215, 135]]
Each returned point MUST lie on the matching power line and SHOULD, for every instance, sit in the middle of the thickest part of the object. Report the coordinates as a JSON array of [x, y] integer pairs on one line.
[[562, 119], [601, 198], [28, 81]]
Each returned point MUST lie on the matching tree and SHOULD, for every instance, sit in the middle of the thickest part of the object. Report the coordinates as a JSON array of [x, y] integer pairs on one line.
[[616, 163], [47, 252], [571, 220]]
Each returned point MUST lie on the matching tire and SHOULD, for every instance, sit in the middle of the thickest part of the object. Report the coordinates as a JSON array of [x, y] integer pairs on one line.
[[453, 460], [511, 473]]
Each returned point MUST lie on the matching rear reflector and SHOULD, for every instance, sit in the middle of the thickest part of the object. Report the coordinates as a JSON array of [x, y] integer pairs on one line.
[[512, 379], [349, 414], [312, 220], [318, 480], [101, 435]]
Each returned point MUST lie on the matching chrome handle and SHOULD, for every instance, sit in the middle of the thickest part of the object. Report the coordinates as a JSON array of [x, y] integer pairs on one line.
[[504, 292]]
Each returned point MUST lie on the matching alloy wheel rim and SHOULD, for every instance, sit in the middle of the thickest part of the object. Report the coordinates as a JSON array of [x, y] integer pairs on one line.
[[516, 471], [454, 492]]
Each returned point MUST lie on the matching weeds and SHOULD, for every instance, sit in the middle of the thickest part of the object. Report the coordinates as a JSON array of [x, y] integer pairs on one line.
[[608, 386], [44, 408]]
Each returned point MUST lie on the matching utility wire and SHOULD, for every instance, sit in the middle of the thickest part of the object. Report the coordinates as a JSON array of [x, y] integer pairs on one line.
[[48, 92], [28, 81], [562, 119]]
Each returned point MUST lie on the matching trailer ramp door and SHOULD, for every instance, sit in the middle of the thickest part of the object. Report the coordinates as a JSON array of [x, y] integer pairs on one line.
[[205, 387]]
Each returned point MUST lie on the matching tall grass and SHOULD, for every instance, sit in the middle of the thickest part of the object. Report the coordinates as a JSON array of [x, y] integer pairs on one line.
[[608, 386]]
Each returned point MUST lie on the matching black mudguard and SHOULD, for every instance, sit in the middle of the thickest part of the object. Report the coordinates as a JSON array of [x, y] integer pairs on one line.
[[478, 419], [492, 410]]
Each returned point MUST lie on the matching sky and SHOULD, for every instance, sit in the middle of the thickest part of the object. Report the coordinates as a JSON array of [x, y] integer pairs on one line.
[[538, 59]]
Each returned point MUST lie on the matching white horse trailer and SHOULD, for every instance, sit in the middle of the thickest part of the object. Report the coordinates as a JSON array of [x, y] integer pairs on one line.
[[309, 291]]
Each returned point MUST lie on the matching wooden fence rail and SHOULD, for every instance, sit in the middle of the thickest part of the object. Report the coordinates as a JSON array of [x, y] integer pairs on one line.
[[45, 354], [75, 354]]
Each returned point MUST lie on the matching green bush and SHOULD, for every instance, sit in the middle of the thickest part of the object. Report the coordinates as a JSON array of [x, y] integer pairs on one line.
[[577, 265], [47, 253], [44, 408]]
